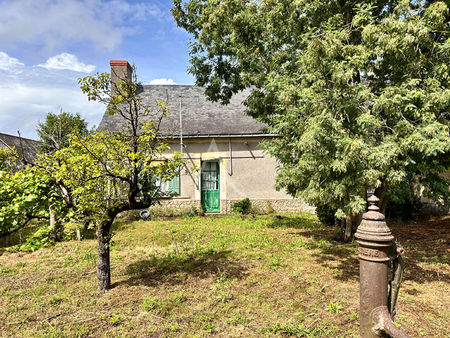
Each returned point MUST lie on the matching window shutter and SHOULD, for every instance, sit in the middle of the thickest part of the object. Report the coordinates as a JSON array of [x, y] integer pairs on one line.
[[174, 185]]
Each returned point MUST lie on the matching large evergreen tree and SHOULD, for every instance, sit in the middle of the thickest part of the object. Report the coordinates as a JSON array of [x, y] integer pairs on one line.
[[358, 91]]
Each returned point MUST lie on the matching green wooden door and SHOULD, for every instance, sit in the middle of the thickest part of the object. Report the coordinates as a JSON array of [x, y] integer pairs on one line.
[[210, 186]]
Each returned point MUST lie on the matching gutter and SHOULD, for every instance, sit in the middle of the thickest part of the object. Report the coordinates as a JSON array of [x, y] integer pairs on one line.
[[220, 136]]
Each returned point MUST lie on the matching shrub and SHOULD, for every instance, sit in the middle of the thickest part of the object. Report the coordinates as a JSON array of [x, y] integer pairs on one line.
[[269, 208], [257, 209], [40, 239], [402, 209], [176, 211], [192, 212], [325, 214], [242, 207]]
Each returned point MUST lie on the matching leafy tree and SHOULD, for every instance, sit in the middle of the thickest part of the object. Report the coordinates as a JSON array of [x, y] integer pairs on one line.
[[29, 189], [53, 133], [53, 136], [4, 158], [111, 172], [28, 193], [21, 199], [358, 91]]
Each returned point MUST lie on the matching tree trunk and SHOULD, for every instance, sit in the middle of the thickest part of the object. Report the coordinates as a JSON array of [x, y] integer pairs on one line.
[[78, 234], [103, 259], [356, 220], [55, 225], [381, 194], [348, 228], [85, 226], [383, 205]]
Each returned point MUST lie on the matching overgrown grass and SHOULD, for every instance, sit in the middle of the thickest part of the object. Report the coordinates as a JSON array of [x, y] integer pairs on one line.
[[225, 276]]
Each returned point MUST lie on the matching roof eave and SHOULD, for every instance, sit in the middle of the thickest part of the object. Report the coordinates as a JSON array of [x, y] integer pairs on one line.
[[219, 135]]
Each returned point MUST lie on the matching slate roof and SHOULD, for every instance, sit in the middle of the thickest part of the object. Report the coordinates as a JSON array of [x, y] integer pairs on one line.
[[200, 117], [27, 146]]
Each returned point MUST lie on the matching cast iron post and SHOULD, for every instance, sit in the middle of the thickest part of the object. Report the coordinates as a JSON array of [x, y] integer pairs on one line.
[[375, 246]]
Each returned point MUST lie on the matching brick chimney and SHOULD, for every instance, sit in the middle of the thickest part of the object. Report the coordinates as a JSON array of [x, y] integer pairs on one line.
[[120, 71]]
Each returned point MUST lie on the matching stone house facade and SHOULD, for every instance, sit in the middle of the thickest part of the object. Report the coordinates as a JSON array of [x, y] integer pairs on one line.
[[220, 144]]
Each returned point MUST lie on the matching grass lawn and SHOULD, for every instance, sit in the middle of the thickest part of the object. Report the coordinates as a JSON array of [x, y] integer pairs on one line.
[[223, 276]]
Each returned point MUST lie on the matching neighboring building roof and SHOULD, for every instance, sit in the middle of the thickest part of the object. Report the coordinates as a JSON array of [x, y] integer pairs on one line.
[[24, 146], [200, 117]]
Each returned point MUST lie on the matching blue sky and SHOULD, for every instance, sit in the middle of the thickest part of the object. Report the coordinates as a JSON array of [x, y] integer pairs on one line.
[[46, 45]]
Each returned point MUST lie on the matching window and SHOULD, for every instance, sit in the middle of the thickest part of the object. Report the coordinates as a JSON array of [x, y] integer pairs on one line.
[[171, 187], [210, 177]]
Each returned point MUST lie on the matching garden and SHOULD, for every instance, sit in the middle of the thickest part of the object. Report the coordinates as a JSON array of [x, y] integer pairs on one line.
[[263, 275]]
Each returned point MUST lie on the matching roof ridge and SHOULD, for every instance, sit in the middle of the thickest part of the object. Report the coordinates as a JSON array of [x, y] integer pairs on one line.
[[23, 138]]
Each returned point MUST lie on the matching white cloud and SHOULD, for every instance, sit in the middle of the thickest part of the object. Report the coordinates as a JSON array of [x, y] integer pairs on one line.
[[162, 81], [53, 24], [26, 98], [67, 61], [9, 63], [24, 106]]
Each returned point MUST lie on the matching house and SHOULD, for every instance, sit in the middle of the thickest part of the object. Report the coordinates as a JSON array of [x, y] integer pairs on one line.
[[219, 140], [25, 147]]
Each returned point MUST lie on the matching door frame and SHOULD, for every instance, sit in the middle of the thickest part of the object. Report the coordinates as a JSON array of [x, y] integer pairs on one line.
[[217, 161]]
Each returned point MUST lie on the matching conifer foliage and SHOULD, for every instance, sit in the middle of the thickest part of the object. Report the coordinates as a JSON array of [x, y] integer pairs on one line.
[[358, 91]]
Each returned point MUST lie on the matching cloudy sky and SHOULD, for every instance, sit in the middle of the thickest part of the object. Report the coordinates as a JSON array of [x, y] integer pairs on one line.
[[46, 45]]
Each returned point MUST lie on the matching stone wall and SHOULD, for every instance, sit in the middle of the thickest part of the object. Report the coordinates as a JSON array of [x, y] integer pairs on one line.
[[273, 205], [259, 206], [179, 203]]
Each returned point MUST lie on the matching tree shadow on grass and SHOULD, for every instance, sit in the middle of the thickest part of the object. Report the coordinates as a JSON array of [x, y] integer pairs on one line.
[[427, 248], [174, 269], [425, 242], [295, 222], [346, 268], [340, 257]]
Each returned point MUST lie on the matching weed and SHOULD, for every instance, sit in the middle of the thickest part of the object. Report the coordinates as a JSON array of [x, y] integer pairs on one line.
[[221, 276], [237, 319], [205, 319], [163, 306], [193, 211], [54, 300], [69, 261], [209, 327], [222, 288], [354, 316], [334, 307], [150, 304], [299, 330], [8, 271], [115, 320], [177, 297], [171, 327], [275, 262], [269, 208]]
